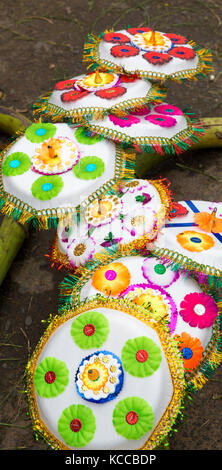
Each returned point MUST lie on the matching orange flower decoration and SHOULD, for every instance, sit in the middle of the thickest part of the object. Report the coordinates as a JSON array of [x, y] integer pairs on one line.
[[191, 350], [195, 241], [111, 279], [208, 222]]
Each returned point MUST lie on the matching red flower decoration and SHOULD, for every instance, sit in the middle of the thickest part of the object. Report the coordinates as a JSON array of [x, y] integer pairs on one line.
[[128, 78], [73, 95], [177, 210], [124, 51], [181, 52], [111, 93], [157, 58], [138, 30], [176, 39], [65, 85], [116, 37]]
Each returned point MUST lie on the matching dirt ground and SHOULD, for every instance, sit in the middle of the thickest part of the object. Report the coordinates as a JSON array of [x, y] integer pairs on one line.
[[41, 43]]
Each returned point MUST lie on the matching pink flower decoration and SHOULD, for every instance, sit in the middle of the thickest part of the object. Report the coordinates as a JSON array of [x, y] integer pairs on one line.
[[160, 120], [126, 121], [198, 309], [168, 109]]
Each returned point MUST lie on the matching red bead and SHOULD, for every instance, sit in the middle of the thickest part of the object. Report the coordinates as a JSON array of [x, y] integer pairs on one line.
[[89, 330], [142, 355], [75, 425], [132, 417], [50, 377]]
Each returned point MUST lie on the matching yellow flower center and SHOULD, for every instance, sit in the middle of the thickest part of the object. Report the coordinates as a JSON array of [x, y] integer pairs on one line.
[[138, 220], [79, 249]]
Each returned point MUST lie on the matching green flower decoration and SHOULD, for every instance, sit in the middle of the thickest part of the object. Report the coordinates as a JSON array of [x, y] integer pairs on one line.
[[51, 377], [141, 357], [47, 187], [133, 417], [90, 330], [77, 425], [83, 137], [15, 164], [89, 168], [39, 132]]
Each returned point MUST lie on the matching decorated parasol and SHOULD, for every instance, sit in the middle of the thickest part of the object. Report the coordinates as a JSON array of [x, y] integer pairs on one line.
[[192, 312], [131, 213], [148, 54], [47, 169], [191, 239], [95, 364], [96, 94]]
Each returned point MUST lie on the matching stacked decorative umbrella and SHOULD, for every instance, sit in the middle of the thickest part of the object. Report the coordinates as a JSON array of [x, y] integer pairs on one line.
[[138, 327]]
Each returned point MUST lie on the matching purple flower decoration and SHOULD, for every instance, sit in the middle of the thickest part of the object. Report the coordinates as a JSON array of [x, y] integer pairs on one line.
[[156, 272], [157, 300]]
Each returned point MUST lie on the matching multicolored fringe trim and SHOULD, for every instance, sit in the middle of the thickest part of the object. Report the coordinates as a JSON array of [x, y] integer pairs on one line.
[[205, 274], [169, 417], [55, 113], [91, 55], [49, 218], [176, 145]]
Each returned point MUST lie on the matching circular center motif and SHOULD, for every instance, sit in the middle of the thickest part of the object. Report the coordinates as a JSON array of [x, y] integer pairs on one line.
[[50, 377], [79, 249], [199, 309], [75, 425], [99, 377], [195, 239], [47, 186], [159, 269], [137, 220], [142, 355], [89, 329], [110, 275], [40, 131], [132, 417], [187, 353], [14, 163]]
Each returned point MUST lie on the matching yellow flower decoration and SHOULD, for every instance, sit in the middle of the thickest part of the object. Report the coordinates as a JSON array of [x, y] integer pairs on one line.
[[111, 279], [195, 241]]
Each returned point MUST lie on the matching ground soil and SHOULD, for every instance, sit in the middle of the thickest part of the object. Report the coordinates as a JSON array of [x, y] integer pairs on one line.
[[41, 43]]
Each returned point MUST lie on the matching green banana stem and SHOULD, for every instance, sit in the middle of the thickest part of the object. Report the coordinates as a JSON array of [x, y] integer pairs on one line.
[[12, 234], [211, 139], [12, 121]]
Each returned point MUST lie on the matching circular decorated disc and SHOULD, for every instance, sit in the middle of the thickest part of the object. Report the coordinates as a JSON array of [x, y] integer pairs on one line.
[[124, 395], [53, 168], [149, 54], [162, 128], [192, 238], [129, 214], [96, 94], [192, 314]]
